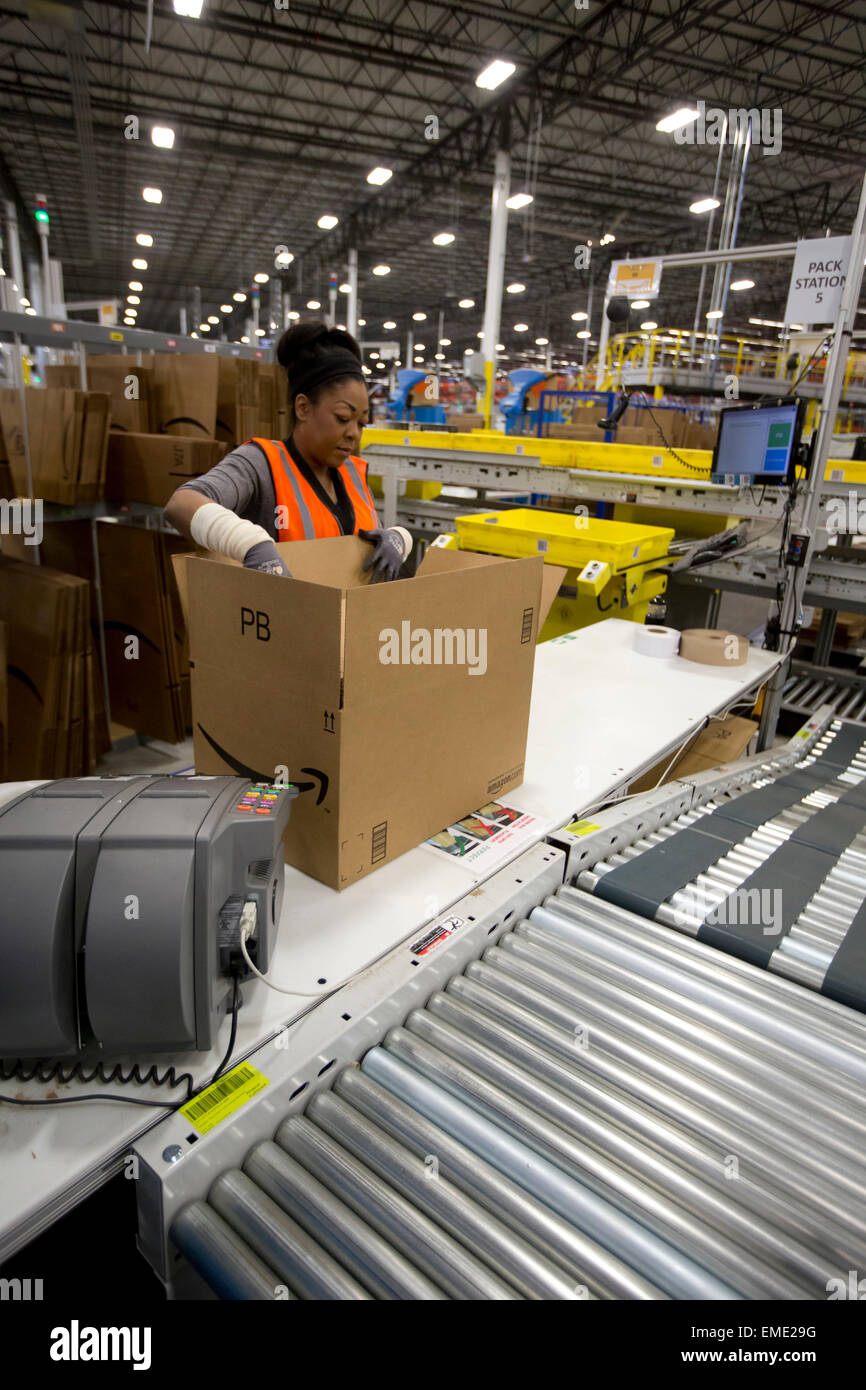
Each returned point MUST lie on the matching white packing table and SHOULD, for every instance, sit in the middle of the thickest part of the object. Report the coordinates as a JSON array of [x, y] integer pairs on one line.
[[600, 715]]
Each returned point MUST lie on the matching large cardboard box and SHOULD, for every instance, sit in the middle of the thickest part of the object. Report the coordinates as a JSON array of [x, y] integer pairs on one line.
[[722, 741], [295, 677], [148, 467]]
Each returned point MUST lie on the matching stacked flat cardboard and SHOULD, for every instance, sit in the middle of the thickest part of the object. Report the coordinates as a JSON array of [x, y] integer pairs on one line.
[[185, 394], [4, 705], [145, 639], [67, 432], [237, 411], [6, 489], [148, 467], [51, 671], [127, 386], [68, 546]]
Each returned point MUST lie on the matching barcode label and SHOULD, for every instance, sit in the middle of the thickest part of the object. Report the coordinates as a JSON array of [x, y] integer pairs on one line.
[[224, 1097], [379, 842], [837, 475], [218, 1092]]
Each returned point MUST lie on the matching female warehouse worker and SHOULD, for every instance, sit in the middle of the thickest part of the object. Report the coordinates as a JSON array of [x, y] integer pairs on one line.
[[308, 486]]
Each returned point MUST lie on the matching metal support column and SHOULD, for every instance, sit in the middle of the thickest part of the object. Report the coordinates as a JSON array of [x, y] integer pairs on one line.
[[495, 271], [15, 263], [352, 306], [833, 376]]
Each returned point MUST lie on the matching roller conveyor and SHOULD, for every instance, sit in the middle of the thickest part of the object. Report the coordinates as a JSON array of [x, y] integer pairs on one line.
[[775, 873], [846, 698], [595, 1107]]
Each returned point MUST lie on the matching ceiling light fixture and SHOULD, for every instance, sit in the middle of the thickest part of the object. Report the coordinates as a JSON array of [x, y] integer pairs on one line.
[[519, 200], [495, 74], [379, 175], [677, 119]]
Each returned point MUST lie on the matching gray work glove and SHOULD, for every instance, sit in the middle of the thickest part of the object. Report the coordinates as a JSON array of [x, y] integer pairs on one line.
[[265, 557], [387, 555]]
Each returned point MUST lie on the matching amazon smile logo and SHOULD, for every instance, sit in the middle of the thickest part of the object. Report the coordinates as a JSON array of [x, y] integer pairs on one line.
[[319, 785]]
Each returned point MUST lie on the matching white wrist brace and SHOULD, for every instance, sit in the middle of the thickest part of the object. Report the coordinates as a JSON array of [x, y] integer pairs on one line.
[[217, 528], [405, 537]]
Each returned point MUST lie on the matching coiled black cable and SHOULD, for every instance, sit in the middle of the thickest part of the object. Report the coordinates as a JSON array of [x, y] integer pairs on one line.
[[45, 1070]]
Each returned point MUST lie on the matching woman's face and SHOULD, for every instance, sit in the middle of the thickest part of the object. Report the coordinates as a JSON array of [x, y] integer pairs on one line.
[[329, 429]]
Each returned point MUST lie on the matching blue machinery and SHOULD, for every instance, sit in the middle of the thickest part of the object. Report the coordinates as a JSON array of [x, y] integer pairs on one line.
[[399, 407]]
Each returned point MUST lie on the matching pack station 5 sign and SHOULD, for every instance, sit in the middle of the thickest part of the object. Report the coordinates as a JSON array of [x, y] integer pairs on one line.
[[818, 279]]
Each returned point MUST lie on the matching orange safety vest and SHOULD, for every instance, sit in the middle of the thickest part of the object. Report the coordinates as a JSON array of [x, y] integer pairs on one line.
[[308, 517]]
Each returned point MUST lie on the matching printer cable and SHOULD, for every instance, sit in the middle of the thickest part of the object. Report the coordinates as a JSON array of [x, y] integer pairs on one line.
[[248, 926]]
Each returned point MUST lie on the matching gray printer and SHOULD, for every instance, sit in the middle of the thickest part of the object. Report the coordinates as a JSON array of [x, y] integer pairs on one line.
[[120, 904]]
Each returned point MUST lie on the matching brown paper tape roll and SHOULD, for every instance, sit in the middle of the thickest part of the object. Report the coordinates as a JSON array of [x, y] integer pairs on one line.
[[713, 647]]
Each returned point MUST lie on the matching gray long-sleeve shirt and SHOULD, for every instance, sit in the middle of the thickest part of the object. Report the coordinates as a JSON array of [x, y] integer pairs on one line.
[[242, 482]]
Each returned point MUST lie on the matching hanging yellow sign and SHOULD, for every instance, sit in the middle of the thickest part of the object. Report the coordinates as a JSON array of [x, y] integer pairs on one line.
[[635, 278]]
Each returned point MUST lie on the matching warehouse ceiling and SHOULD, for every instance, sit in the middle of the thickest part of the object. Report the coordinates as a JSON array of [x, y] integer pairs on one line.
[[282, 109]]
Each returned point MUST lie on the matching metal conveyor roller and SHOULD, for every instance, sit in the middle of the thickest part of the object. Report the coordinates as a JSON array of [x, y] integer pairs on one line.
[[597, 1107]]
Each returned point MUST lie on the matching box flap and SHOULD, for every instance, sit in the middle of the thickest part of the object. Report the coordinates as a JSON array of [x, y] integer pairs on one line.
[[333, 560], [552, 579], [179, 563], [437, 560], [292, 630], [440, 561]]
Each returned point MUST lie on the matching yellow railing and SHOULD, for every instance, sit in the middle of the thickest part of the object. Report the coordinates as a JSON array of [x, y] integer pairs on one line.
[[672, 349]]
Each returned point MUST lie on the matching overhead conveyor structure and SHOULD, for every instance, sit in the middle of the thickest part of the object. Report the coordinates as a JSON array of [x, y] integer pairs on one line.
[[562, 1101]]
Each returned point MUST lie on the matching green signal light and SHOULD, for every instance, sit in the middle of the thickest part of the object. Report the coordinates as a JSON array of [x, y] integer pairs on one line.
[[41, 215]]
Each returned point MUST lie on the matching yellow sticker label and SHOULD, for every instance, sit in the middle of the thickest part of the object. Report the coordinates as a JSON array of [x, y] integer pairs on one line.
[[116, 337], [582, 827], [224, 1097], [804, 733]]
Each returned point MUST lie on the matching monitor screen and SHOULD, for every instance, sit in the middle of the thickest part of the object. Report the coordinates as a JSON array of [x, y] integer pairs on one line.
[[756, 443]]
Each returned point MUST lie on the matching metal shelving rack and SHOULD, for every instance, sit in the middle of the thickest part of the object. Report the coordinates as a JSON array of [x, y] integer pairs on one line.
[[27, 331]]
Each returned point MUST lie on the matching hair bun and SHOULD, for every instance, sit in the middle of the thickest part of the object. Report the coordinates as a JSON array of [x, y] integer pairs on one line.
[[305, 343]]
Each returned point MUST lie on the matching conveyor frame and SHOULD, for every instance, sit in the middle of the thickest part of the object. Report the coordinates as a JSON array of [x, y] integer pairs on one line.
[[304, 1059]]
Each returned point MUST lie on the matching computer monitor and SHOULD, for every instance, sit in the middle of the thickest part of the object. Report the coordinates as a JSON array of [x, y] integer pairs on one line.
[[758, 443]]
